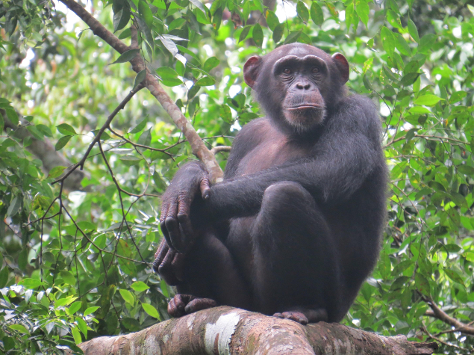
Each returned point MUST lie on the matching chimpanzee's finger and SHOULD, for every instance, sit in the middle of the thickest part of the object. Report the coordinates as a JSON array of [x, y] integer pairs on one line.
[[166, 270], [205, 188], [160, 254], [172, 226], [178, 266]]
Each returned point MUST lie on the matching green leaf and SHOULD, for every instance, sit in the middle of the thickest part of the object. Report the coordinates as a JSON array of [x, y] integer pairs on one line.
[[127, 56], [151, 310], [139, 126], [206, 81], [278, 33], [74, 307], [244, 33], [139, 286], [210, 63], [257, 35], [427, 100], [90, 310], [316, 13], [4, 276], [453, 275], [127, 296], [62, 142], [66, 129], [31, 283], [199, 5], [56, 172], [121, 18], [12, 115], [14, 207], [156, 154], [393, 19], [272, 20], [76, 335], [422, 284], [292, 37], [145, 12], [125, 34], [68, 277], [19, 327], [45, 130], [35, 132], [302, 11], [193, 91], [363, 10], [388, 40], [412, 30], [139, 78], [402, 45]]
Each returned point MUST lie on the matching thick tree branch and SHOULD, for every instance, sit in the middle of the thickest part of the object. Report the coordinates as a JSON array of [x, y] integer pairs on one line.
[[151, 82], [227, 330]]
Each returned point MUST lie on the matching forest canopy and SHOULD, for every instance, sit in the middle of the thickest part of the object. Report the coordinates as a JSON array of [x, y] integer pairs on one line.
[[89, 143]]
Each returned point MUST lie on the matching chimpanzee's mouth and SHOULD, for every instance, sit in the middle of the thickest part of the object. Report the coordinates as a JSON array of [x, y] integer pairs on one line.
[[304, 107]]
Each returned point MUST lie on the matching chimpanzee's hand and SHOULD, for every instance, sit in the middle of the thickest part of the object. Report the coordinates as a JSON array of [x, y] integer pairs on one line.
[[190, 184], [169, 264]]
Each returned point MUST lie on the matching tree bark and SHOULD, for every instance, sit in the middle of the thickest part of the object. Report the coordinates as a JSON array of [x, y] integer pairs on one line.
[[227, 330]]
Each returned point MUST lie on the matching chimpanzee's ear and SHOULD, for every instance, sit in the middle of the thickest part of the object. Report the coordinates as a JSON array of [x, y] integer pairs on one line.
[[252, 69], [342, 65]]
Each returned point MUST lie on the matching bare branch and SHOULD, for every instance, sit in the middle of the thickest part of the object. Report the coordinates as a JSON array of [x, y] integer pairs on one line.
[[220, 148], [442, 315]]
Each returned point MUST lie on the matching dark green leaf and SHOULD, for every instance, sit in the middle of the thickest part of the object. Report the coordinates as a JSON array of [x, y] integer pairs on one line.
[[257, 35], [127, 56], [139, 78], [244, 33], [140, 125], [278, 33], [145, 12], [292, 37], [62, 142]]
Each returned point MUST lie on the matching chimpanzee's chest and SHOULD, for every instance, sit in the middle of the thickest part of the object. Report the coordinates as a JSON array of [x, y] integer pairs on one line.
[[272, 151]]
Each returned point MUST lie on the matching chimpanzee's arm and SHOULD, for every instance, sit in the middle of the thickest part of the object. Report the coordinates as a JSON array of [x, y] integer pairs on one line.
[[343, 158]]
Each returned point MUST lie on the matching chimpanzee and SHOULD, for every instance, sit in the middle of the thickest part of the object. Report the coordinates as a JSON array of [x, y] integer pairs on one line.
[[295, 227]]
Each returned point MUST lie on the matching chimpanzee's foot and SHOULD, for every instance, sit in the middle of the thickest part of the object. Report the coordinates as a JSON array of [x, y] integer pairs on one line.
[[304, 315], [182, 304]]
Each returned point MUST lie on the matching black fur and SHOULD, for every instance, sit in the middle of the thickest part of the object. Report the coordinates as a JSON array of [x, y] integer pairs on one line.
[[294, 229]]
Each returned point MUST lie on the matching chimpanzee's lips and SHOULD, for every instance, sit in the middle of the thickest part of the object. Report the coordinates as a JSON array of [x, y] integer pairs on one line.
[[304, 107]]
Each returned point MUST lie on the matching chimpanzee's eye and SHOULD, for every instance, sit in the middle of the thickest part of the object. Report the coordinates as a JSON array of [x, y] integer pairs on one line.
[[315, 70], [287, 71]]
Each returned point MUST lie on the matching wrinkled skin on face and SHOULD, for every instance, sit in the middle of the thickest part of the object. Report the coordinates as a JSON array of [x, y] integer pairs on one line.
[[301, 84]]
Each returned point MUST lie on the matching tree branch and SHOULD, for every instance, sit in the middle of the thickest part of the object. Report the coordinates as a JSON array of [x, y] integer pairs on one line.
[[151, 82], [227, 330], [442, 315]]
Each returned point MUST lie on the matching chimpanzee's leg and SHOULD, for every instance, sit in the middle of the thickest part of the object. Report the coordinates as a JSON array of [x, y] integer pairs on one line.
[[296, 262], [210, 277]]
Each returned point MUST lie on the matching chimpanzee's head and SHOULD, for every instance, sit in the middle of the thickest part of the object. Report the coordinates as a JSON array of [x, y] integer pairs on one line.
[[297, 84]]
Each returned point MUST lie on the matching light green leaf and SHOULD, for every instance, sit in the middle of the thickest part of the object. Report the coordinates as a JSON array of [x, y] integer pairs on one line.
[[139, 286], [151, 310], [427, 100], [127, 296]]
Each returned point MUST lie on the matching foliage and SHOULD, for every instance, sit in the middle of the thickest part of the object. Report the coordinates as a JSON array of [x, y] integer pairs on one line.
[[76, 264]]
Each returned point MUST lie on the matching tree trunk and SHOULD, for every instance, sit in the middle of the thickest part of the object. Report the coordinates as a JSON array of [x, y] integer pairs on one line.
[[227, 330]]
